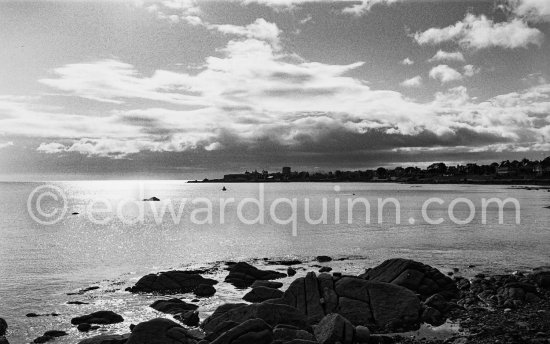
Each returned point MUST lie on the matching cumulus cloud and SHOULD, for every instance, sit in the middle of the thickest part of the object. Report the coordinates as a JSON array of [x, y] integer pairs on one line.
[[412, 82], [407, 62], [445, 74], [471, 70], [535, 10], [479, 32], [447, 56], [259, 29], [251, 96]]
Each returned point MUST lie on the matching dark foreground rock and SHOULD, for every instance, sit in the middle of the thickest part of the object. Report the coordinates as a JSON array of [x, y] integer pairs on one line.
[[161, 331], [260, 294], [272, 314], [170, 282], [205, 290], [101, 318], [366, 303], [173, 306], [106, 339], [251, 331], [3, 327], [333, 329], [418, 277], [243, 275]]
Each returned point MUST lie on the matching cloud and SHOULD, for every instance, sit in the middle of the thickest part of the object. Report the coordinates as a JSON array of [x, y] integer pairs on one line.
[[479, 32], [471, 70], [251, 98], [445, 74], [366, 5], [407, 62], [447, 56], [259, 29], [534, 10], [412, 82]]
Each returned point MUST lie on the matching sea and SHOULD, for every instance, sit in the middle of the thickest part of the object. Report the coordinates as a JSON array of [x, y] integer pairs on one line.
[[58, 238]]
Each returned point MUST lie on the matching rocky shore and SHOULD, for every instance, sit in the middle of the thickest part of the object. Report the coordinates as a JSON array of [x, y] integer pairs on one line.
[[388, 303]]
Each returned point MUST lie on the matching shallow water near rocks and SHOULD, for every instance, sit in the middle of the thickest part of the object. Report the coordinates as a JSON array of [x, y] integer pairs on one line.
[[40, 265]]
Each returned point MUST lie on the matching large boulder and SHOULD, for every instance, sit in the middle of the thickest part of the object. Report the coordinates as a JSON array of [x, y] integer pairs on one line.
[[251, 331], [541, 276], [390, 306], [3, 327], [304, 294], [161, 331], [100, 318], [106, 339], [170, 282], [243, 275], [418, 277], [173, 306], [272, 314], [260, 294], [285, 333], [333, 329]]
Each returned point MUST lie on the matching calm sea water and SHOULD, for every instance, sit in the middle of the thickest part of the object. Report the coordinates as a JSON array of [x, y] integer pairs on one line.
[[40, 264]]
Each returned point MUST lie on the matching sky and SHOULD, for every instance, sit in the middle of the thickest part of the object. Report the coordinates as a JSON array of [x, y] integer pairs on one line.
[[190, 89]]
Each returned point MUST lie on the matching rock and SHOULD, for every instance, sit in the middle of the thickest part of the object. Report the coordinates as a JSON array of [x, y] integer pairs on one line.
[[268, 284], [221, 329], [32, 315], [101, 318], [260, 294], [325, 269], [323, 259], [161, 331], [285, 262], [290, 271], [152, 199], [84, 327], [432, 316], [106, 339], [3, 327], [251, 331], [205, 290], [333, 329], [55, 333], [438, 302], [303, 294], [418, 277], [77, 303], [243, 275], [542, 278], [43, 339], [3, 340], [173, 306], [273, 314], [285, 334], [189, 318], [358, 312], [362, 334], [390, 304], [170, 282]]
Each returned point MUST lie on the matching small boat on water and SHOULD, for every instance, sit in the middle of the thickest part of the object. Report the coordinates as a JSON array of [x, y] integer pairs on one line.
[[224, 189]]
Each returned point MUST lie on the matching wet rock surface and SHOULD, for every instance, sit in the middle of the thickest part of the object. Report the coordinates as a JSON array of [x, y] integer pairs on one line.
[[243, 275], [386, 304], [171, 282]]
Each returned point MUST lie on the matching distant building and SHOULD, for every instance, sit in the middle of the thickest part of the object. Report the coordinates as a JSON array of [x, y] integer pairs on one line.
[[286, 171]]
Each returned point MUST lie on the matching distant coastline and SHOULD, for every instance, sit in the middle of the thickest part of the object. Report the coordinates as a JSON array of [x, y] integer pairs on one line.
[[524, 172]]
